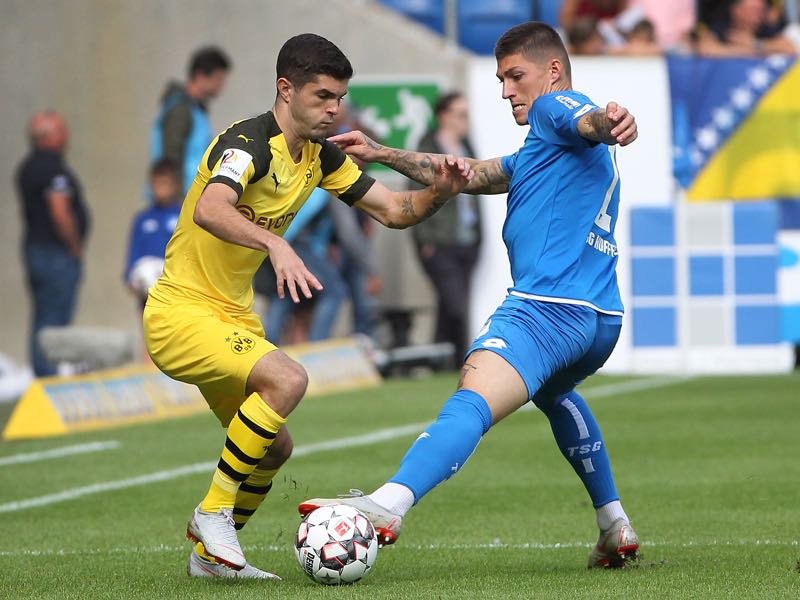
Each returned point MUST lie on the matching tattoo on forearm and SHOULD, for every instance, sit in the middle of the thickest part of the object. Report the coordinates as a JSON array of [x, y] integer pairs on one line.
[[596, 126], [489, 178], [408, 207], [373, 144], [414, 165], [464, 370]]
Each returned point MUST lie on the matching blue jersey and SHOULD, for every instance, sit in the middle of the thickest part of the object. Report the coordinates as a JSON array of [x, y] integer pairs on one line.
[[151, 230], [563, 199]]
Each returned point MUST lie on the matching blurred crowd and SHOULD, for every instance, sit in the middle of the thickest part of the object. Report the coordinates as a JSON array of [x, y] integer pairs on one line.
[[706, 27], [333, 240]]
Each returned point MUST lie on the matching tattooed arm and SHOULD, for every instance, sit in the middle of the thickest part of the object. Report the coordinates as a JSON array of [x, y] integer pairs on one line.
[[612, 125], [399, 210], [489, 175]]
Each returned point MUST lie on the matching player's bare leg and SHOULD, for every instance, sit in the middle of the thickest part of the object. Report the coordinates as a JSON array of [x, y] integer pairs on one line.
[[275, 386], [487, 384], [249, 497]]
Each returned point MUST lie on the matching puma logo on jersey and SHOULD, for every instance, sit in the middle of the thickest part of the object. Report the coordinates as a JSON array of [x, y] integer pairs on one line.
[[245, 138], [275, 179]]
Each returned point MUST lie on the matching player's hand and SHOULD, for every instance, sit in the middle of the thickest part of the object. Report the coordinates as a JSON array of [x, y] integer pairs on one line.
[[625, 130], [451, 175], [290, 270], [357, 144]]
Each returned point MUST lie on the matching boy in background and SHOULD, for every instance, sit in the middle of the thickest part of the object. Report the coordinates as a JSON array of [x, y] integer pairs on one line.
[[152, 228]]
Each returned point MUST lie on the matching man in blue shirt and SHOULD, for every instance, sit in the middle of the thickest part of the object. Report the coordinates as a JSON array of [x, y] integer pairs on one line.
[[562, 317], [182, 130]]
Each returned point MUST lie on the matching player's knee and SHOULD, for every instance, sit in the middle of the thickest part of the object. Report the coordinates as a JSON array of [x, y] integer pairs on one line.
[[293, 384]]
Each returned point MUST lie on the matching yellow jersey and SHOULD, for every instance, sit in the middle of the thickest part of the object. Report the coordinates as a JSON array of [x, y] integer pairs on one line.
[[251, 157]]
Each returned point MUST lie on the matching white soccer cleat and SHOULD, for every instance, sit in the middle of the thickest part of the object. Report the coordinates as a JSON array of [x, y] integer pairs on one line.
[[200, 567], [216, 531], [387, 524], [616, 547]]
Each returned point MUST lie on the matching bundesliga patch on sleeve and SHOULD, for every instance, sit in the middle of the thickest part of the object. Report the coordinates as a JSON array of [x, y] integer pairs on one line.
[[233, 164]]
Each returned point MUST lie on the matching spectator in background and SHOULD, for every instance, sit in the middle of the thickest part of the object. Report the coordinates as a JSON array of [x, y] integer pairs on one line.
[[609, 28], [597, 9], [152, 228], [56, 224], [448, 242], [309, 234], [182, 130], [584, 37], [602, 11], [673, 21], [745, 28]]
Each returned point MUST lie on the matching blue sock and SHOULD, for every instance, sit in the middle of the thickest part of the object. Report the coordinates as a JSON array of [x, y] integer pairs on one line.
[[580, 441], [446, 445]]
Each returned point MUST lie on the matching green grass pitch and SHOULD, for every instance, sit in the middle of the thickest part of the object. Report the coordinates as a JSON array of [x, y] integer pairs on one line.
[[708, 469]]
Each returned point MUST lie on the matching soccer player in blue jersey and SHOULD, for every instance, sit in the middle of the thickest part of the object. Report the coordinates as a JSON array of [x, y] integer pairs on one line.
[[562, 317]]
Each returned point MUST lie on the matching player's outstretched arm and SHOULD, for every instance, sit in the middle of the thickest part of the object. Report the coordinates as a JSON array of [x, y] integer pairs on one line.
[[398, 210], [216, 212], [489, 175], [612, 125]]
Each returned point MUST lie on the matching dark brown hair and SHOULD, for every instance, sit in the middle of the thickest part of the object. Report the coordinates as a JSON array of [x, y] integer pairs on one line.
[[307, 55], [536, 41]]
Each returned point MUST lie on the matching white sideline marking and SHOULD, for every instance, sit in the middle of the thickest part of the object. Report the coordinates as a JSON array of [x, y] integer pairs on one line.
[[381, 435], [206, 467], [163, 548], [17, 459]]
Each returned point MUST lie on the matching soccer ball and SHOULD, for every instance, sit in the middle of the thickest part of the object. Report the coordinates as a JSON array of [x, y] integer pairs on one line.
[[336, 544], [144, 274]]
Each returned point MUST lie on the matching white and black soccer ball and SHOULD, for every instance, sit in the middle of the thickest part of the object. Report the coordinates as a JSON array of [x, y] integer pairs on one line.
[[144, 274], [336, 544]]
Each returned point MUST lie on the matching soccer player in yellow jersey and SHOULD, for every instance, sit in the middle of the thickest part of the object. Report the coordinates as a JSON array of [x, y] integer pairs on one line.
[[199, 323]]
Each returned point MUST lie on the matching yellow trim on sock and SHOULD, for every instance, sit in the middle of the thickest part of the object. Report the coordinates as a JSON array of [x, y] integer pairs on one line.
[[221, 494], [261, 477], [258, 411]]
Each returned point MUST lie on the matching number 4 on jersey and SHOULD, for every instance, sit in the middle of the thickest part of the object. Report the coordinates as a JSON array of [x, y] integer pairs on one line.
[[603, 219]]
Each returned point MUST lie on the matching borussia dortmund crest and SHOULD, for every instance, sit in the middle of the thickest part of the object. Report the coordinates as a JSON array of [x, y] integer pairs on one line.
[[242, 345]]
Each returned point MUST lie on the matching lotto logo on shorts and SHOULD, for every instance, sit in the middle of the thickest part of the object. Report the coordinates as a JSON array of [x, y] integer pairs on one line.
[[242, 345]]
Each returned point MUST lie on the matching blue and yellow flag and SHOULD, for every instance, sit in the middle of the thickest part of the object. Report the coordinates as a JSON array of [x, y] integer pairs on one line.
[[736, 127]]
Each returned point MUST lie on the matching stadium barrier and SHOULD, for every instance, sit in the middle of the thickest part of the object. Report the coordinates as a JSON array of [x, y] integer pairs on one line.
[[102, 399]]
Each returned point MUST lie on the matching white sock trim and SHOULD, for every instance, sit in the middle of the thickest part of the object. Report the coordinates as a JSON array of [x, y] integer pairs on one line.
[[394, 497], [608, 513]]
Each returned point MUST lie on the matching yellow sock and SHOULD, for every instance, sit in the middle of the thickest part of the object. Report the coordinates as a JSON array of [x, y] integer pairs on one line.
[[251, 494], [250, 434]]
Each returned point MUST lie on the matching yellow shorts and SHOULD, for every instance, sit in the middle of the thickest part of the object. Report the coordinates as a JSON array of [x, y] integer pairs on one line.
[[201, 344]]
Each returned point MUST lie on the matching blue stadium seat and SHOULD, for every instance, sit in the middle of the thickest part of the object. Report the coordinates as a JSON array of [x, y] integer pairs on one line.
[[428, 12], [547, 11], [482, 22]]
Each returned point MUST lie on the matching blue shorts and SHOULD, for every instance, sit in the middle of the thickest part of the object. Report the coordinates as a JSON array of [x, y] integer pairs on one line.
[[552, 346]]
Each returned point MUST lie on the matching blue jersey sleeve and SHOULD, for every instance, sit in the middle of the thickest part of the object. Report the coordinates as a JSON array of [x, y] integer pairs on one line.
[[554, 118], [508, 163]]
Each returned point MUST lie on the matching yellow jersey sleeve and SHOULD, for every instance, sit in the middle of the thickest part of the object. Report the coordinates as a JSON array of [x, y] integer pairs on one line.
[[240, 155], [341, 176]]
